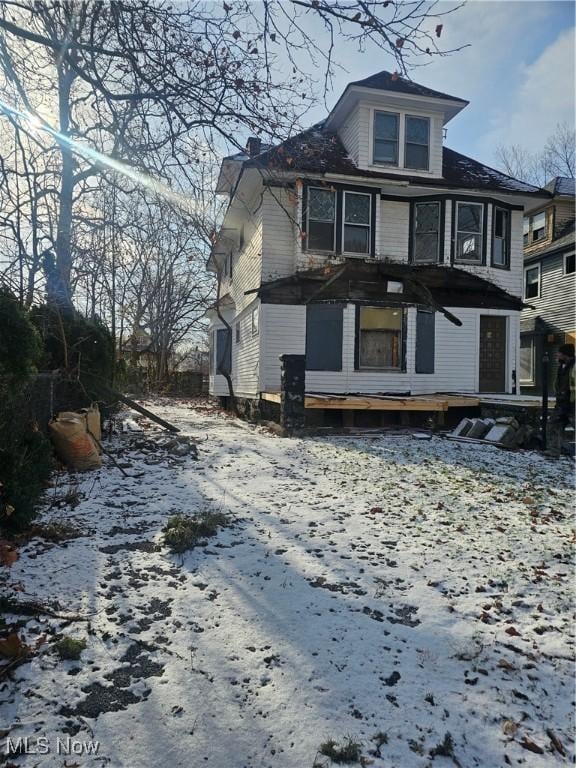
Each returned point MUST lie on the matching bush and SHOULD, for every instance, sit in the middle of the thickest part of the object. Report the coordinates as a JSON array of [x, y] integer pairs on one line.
[[25, 453], [70, 648], [20, 349], [77, 345], [349, 752], [183, 532]]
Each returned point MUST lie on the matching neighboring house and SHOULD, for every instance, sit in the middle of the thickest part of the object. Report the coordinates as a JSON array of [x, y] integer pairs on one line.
[[393, 263], [549, 284]]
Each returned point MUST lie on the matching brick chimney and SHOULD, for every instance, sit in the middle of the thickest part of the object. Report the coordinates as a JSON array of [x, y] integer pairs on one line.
[[253, 146]]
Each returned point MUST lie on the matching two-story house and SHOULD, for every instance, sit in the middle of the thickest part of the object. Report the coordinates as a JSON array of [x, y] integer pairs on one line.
[[549, 283], [394, 264]]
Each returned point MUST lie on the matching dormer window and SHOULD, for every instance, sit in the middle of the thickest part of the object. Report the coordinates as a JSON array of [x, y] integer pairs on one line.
[[386, 133], [417, 143], [535, 228]]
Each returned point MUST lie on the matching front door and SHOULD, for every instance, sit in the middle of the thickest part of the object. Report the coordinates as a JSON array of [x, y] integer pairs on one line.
[[492, 354]]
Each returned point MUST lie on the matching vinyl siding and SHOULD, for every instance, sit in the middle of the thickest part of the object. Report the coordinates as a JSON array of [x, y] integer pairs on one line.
[[557, 301], [279, 233], [247, 264], [394, 230], [456, 360], [246, 355], [350, 136]]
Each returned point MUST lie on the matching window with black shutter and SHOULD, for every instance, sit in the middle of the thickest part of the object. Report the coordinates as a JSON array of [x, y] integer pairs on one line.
[[324, 324], [425, 341], [224, 351]]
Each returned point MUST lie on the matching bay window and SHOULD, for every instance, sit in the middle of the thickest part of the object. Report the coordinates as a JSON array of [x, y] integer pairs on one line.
[[417, 143], [386, 132], [380, 338], [321, 219], [356, 222], [426, 233], [501, 238], [469, 232]]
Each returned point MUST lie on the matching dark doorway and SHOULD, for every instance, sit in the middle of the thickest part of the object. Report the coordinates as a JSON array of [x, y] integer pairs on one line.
[[492, 354]]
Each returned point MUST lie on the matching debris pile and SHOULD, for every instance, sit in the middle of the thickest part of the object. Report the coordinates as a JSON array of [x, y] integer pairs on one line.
[[505, 431]]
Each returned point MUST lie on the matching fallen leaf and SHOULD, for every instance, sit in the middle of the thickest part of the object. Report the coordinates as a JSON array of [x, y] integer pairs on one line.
[[512, 631], [12, 647], [509, 727], [8, 554], [530, 745]]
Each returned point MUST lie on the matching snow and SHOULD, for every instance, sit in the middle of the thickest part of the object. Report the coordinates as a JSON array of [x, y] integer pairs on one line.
[[410, 587]]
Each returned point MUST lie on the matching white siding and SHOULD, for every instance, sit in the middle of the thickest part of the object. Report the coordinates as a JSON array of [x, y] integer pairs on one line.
[[246, 354], [247, 263], [394, 230], [456, 360], [283, 330], [279, 232], [349, 134]]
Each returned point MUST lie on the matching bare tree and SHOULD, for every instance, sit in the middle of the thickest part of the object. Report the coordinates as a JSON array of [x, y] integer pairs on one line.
[[557, 158], [125, 85]]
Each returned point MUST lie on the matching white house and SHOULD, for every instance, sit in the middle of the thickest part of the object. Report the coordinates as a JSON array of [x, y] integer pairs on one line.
[[393, 263]]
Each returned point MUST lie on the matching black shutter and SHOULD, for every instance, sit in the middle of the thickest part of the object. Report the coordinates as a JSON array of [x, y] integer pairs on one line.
[[425, 341], [224, 351], [324, 337]]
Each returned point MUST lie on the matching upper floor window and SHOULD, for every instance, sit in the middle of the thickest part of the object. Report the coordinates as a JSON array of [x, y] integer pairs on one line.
[[356, 221], [532, 282], [255, 321], [469, 231], [569, 263], [321, 219], [501, 238], [386, 133], [426, 232], [417, 143], [535, 228]]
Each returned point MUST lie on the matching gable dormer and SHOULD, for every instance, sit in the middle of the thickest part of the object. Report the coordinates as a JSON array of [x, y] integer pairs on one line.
[[388, 123]]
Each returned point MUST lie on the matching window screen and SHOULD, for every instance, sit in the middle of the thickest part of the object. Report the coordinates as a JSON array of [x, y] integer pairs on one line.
[[321, 219]]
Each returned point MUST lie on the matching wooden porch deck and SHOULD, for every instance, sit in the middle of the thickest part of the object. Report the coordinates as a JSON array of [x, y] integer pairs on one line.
[[436, 402]]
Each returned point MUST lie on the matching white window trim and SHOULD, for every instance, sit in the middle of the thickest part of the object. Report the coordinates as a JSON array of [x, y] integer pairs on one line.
[[371, 165], [325, 221], [369, 225], [564, 260], [532, 380], [413, 224], [418, 117], [400, 153], [537, 266], [506, 239], [482, 233]]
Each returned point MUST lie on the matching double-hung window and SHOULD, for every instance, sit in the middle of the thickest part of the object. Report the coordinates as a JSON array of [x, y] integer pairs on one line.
[[501, 238], [417, 143], [380, 338], [569, 263], [386, 133], [535, 228], [527, 360], [356, 222], [426, 233], [532, 282], [321, 223], [469, 226]]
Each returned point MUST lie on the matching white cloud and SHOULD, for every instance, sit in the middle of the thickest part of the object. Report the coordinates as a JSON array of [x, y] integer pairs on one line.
[[543, 97]]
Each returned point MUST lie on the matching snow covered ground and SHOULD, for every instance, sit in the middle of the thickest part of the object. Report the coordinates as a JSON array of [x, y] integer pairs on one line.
[[367, 585]]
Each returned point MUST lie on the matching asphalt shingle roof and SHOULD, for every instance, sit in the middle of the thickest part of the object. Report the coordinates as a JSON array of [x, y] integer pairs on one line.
[[387, 81]]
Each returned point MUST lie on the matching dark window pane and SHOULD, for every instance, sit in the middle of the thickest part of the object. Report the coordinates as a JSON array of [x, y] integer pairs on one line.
[[427, 217], [356, 239], [417, 129], [468, 247], [469, 218], [426, 247], [356, 208], [320, 236], [500, 222], [527, 359], [385, 151], [532, 283], [324, 324], [321, 204], [416, 156], [570, 264], [385, 126]]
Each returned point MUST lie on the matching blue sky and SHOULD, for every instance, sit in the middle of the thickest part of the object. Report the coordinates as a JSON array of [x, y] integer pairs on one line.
[[518, 73]]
